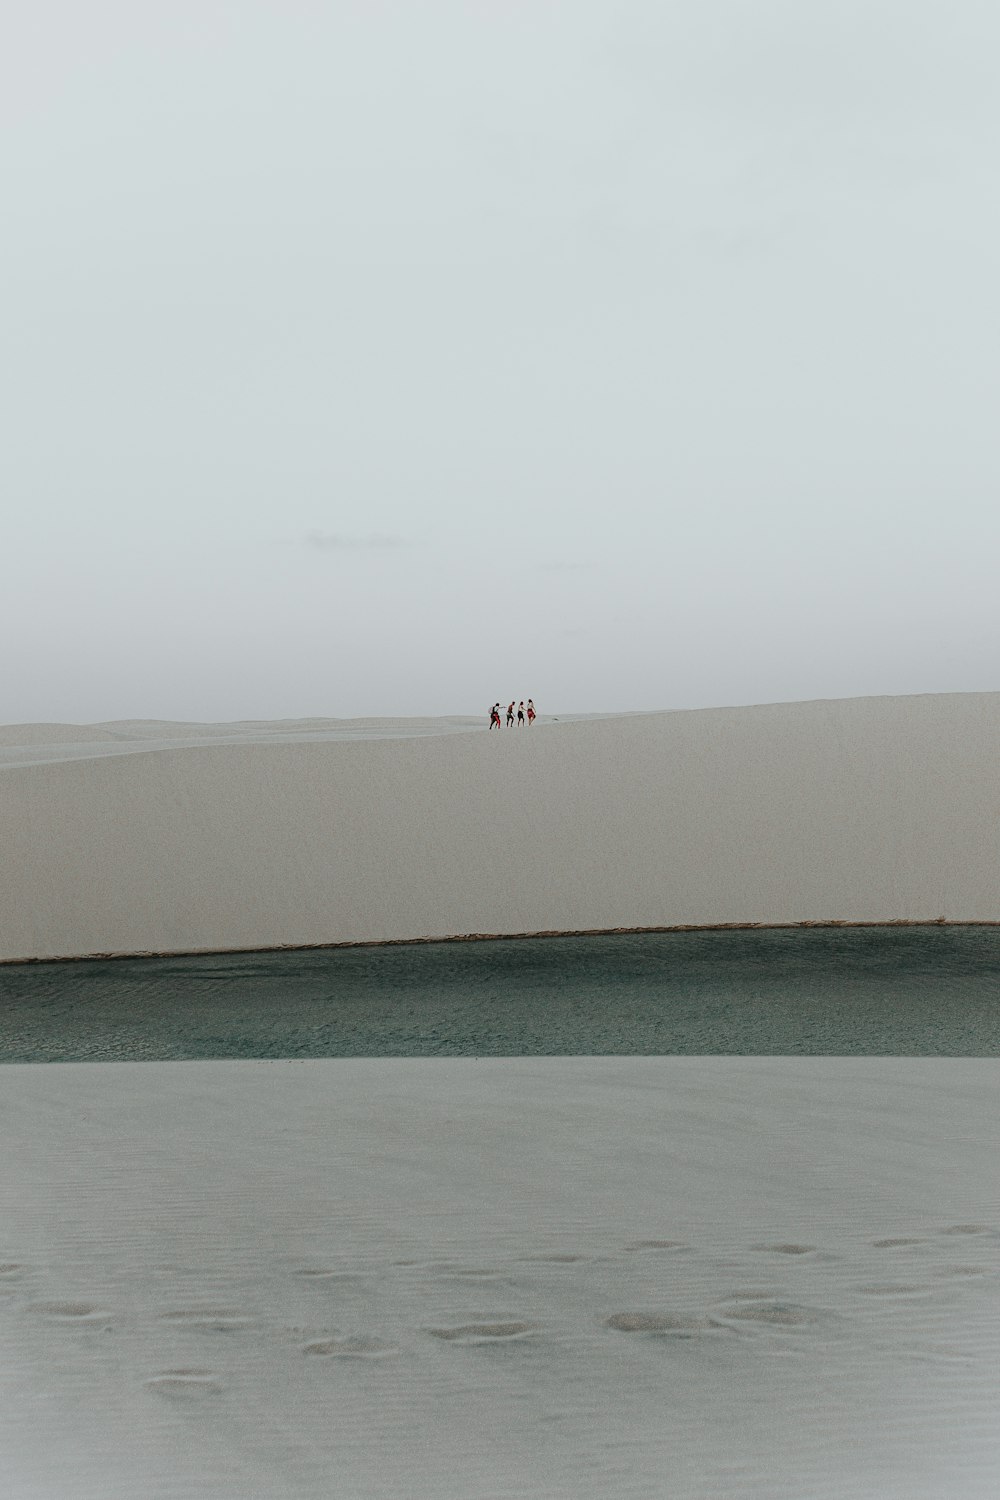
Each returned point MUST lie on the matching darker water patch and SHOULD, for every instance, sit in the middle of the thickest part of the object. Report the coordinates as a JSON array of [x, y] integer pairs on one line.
[[913, 991]]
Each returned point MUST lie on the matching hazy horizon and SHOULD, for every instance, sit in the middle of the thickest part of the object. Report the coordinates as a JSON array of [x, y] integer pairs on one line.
[[362, 358], [568, 713]]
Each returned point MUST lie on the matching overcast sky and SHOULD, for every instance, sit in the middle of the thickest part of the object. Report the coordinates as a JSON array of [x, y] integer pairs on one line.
[[391, 358]]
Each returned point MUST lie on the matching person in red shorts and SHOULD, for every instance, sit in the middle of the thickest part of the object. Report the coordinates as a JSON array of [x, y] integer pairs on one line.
[[531, 713]]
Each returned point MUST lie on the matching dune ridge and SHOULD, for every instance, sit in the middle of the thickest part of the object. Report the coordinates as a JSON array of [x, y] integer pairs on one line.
[[847, 811]]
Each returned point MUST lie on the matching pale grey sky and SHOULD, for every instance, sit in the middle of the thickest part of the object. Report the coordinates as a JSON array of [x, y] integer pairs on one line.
[[377, 358]]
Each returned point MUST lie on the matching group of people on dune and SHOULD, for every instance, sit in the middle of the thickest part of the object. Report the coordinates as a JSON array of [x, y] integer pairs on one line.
[[522, 714]]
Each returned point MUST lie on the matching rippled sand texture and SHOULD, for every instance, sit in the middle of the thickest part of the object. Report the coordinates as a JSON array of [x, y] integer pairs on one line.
[[867, 809], [694, 1277]]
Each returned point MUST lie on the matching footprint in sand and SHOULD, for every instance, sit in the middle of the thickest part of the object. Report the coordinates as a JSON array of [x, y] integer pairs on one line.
[[968, 1229], [208, 1319], [894, 1289], [10, 1275], [464, 1273], [185, 1385], [361, 1346], [961, 1271], [77, 1314], [656, 1245], [482, 1333], [679, 1325], [786, 1249], [896, 1242], [450, 1270], [769, 1311], [553, 1260], [322, 1274]]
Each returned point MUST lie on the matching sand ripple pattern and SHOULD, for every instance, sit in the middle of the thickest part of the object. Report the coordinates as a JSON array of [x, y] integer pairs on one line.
[[549, 1281]]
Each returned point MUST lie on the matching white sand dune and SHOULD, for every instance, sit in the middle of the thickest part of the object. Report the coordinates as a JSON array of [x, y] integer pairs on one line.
[[35, 744], [566, 1278], [880, 809], [572, 1278]]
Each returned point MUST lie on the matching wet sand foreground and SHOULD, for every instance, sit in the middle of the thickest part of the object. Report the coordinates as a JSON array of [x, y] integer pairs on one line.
[[537, 1277]]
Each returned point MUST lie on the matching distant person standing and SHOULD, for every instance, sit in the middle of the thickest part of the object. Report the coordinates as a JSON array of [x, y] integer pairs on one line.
[[495, 716], [520, 714], [510, 715], [531, 713]]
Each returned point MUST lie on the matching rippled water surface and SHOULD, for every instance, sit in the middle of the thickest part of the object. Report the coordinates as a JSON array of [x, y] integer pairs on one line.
[[899, 991]]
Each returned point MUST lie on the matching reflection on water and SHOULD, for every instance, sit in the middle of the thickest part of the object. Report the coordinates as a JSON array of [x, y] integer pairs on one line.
[[929, 991]]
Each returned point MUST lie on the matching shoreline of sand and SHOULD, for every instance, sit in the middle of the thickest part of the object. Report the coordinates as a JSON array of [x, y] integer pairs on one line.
[[503, 937]]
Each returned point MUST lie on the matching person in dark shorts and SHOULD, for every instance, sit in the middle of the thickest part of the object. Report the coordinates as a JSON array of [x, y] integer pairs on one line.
[[520, 714], [510, 715]]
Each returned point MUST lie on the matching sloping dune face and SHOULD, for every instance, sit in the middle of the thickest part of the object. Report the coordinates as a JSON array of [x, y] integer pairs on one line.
[[856, 810]]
